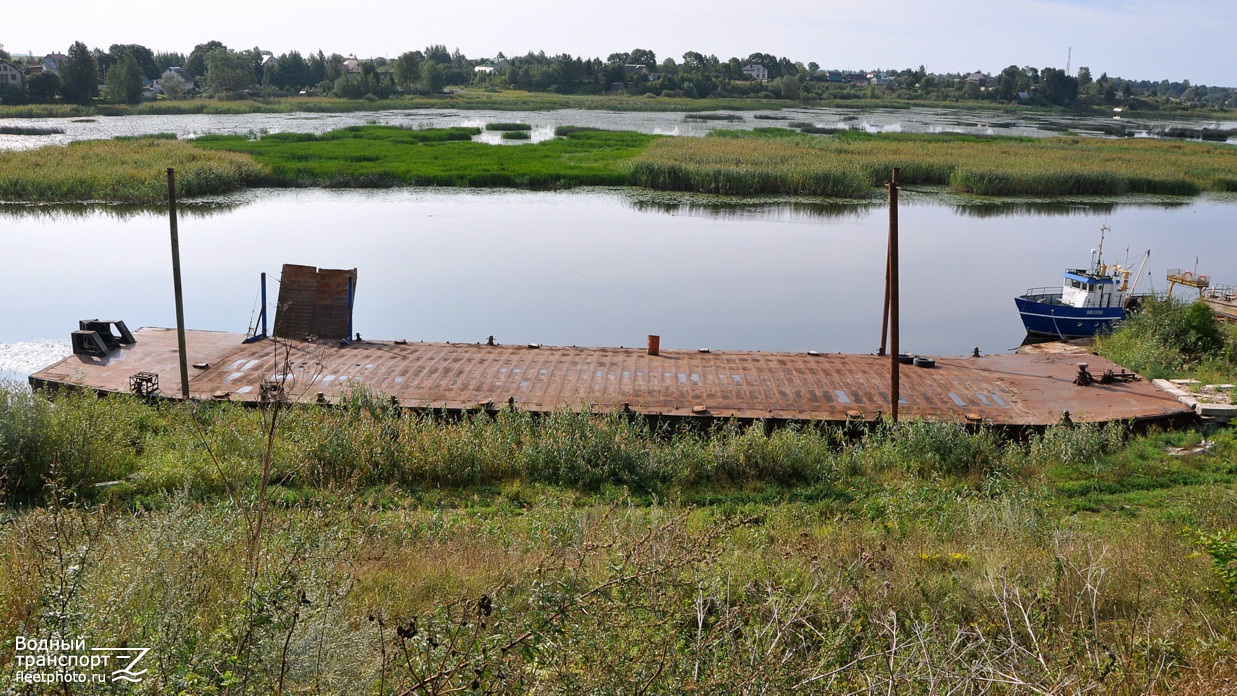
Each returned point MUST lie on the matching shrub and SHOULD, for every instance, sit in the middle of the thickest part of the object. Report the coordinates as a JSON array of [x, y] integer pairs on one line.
[[1221, 546], [1164, 337]]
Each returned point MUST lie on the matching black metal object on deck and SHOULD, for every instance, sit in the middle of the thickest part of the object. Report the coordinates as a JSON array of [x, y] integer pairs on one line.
[[94, 337]]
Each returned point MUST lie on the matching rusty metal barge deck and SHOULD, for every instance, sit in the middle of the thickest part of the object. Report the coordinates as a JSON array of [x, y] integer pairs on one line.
[[1015, 389]]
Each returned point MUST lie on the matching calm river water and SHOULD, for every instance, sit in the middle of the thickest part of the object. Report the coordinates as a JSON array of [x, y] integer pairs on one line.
[[593, 267], [914, 120]]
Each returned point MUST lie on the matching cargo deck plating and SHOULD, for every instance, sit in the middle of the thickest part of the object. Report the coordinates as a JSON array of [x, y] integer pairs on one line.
[[1016, 389]]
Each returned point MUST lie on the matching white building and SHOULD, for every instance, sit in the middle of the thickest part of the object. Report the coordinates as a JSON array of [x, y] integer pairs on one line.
[[757, 72], [10, 75]]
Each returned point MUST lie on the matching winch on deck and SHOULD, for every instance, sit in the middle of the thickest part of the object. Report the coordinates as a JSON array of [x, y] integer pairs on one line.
[[94, 337]]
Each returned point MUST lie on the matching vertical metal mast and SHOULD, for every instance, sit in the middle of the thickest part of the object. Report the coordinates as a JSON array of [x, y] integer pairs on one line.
[[895, 394], [180, 299]]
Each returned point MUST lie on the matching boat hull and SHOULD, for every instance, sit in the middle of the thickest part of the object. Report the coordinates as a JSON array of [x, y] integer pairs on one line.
[[1063, 321]]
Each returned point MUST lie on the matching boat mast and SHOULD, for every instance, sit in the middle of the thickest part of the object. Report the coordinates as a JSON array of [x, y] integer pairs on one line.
[[1099, 254]]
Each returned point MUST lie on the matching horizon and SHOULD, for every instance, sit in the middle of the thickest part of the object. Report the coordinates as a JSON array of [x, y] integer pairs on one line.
[[1128, 39]]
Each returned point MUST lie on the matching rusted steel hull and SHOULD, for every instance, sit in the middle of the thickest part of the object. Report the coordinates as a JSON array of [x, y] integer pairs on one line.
[[1002, 389]]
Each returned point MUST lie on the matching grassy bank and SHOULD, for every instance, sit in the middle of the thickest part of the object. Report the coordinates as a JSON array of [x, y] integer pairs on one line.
[[389, 156], [574, 554], [767, 161], [770, 161], [131, 171]]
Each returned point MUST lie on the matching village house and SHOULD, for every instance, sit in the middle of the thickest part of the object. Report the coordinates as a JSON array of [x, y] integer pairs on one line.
[[53, 61], [10, 75], [179, 74], [978, 78], [758, 73]]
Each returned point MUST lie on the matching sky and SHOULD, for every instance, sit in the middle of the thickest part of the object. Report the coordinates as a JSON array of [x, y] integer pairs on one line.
[[1133, 39]]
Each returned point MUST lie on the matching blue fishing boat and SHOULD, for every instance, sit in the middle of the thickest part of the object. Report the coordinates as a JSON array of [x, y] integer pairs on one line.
[[1089, 301]]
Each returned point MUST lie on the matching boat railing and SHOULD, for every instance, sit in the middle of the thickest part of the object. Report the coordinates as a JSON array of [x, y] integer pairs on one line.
[[1046, 294], [1226, 293]]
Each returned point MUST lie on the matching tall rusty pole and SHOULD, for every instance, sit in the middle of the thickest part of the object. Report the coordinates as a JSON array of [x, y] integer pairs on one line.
[[885, 312], [895, 390], [180, 297]]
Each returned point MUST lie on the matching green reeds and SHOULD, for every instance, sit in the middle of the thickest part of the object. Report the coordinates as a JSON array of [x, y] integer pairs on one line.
[[744, 166], [120, 171], [146, 136], [774, 160]]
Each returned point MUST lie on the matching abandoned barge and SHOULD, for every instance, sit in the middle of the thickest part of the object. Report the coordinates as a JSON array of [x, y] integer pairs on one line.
[[315, 356]]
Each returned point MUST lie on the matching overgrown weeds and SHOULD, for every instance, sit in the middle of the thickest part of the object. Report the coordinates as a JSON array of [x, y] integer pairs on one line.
[[356, 548]]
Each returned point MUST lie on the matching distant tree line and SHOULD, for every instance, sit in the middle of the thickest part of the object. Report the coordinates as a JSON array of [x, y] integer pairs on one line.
[[130, 72]]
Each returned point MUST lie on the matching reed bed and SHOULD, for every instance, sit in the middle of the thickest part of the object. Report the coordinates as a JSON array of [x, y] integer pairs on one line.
[[738, 162], [131, 171], [746, 166], [764, 161]]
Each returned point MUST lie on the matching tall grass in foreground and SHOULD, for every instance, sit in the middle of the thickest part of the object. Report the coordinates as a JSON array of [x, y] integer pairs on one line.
[[916, 558], [81, 441], [933, 588], [130, 171]]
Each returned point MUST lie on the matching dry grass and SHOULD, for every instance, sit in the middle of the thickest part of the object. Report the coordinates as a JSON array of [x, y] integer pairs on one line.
[[988, 596], [918, 558]]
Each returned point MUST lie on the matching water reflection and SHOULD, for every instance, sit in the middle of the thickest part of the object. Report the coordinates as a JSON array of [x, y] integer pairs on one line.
[[730, 207], [190, 209], [1044, 208], [733, 207], [592, 266]]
